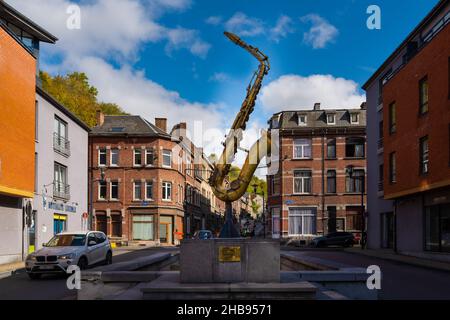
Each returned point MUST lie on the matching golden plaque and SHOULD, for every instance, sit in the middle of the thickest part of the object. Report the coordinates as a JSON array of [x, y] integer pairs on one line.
[[229, 254]]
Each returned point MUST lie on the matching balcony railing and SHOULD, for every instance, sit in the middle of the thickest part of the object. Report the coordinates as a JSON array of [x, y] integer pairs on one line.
[[380, 144], [381, 186], [61, 144], [61, 190]]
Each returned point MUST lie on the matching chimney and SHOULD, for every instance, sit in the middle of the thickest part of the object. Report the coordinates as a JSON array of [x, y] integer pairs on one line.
[[317, 106], [100, 118], [161, 123], [363, 106]]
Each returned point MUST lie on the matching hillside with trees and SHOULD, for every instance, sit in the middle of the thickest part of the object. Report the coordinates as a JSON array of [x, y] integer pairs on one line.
[[75, 93]]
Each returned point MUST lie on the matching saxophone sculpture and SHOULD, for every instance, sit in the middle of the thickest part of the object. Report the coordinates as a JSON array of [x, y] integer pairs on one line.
[[259, 150]]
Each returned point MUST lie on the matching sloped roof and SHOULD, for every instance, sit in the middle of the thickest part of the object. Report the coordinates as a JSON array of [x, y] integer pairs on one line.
[[128, 125]]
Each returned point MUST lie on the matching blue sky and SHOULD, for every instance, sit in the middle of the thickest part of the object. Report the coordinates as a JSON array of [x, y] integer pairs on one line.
[[169, 58]]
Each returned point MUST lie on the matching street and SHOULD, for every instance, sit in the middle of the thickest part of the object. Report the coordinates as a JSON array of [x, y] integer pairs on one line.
[[53, 287], [399, 281]]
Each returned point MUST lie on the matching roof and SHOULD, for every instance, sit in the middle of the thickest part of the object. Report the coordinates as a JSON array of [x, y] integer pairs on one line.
[[61, 108], [130, 125], [318, 118], [437, 8], [10, 14]]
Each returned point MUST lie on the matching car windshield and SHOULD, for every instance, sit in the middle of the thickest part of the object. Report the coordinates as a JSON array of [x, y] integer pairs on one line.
[[67, 240], [204, 234]]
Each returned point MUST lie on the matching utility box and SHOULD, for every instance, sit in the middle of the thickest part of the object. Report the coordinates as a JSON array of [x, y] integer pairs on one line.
[[230, 261]]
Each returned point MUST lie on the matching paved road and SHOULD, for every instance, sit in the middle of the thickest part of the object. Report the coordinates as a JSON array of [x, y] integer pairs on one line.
[[400, 281], [53, 287]]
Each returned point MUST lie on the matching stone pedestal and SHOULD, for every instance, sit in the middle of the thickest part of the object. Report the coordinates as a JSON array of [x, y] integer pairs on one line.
[[230, 261]]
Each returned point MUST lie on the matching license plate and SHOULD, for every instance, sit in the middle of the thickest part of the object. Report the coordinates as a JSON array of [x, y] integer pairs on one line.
[[46, 267]]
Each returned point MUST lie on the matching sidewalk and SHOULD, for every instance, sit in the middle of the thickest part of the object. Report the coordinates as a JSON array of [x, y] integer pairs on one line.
[[401, 258], [7, 269]]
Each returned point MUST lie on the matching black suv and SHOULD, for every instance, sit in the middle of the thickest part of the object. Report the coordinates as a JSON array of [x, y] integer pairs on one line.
[[343, 239]]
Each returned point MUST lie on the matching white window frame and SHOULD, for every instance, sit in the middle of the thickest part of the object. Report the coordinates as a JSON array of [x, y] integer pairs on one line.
[[163, 155], [134, 157], [334, 118], [106, 157], [166, 185], [303, 148], [134, 190], [302, 218], [111, 157], [145, 191], [110, 190], [301, 123], [351, 118], [99, 188], [147, 152], [303, 181]]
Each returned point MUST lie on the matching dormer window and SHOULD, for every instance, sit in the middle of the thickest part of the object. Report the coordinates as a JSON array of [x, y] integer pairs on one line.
[[354, 118], [331, 118], [302, 120]]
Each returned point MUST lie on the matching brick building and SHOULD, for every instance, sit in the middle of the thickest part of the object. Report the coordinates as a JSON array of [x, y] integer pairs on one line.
[[412, 106], [312, 193], [149, 192]]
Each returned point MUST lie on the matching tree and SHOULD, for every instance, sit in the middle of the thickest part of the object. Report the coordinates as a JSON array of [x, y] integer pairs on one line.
[[75, 93]]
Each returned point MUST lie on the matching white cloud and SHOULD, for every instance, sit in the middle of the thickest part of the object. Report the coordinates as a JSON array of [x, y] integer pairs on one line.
[[294, 92], [243, 25], [320, 33], [219, 77], [214, 20], [111, 28], [282, 28]]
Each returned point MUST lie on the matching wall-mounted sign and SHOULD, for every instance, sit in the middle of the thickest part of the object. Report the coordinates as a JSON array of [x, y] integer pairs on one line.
[[71, 209], [230, 254], [289, 202]]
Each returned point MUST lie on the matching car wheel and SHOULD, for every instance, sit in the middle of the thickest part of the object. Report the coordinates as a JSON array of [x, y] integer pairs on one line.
[[348, 244], [82, 263], [108, 259], [34, 276]]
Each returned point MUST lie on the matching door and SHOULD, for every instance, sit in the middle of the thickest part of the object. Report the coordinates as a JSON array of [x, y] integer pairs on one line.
[[59, 223], [166, 229], [163, 232]]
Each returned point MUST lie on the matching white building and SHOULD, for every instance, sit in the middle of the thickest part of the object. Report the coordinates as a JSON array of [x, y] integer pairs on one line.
[[60, 202]]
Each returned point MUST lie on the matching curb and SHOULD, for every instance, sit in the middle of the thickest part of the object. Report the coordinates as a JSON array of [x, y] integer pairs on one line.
[[424, 265], [6, 274]]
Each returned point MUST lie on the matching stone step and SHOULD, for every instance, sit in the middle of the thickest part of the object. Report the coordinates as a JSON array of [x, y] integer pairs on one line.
[[168, 287]]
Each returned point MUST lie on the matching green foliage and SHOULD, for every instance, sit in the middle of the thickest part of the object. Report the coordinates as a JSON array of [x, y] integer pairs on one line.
[[75, 93], [261, 184]]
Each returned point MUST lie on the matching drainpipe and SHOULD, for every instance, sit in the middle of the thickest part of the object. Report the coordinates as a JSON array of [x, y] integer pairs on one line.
[[323, 183]]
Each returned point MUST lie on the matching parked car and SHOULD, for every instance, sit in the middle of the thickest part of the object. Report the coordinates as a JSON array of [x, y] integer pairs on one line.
[[344, 239], [83, 249], [203, 235]]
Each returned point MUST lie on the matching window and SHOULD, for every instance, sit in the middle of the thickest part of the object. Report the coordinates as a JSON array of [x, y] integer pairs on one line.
[[331, 181], [101, 223], [137, 157], [60, 187], [167, 158], [137, 189], [114, 190], [114, 157], [355, 147], [331, 118], [102, 157], [437, 228], [143, 227], [381, 177], [302, 149], [354, 218], [380, 134], [423, 147], [331, 148], [423, 96], [302, 120], [166, 191], [392, 168], [149, 157], [354, 118], [354, 184], [302, 221], [275, 185], [102, 190], [149, 190], [302, 181], [392, 118], [116, 225]]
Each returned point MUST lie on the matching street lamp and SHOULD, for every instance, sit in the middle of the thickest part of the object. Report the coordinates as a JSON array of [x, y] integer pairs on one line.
[[350, 171], [91, 205], [255, 188]]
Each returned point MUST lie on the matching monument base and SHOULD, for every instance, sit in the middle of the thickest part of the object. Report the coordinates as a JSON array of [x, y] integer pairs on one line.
[[230, 261]]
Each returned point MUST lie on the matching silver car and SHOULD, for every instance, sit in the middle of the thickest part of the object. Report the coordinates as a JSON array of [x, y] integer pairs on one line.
[[83, 249]]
